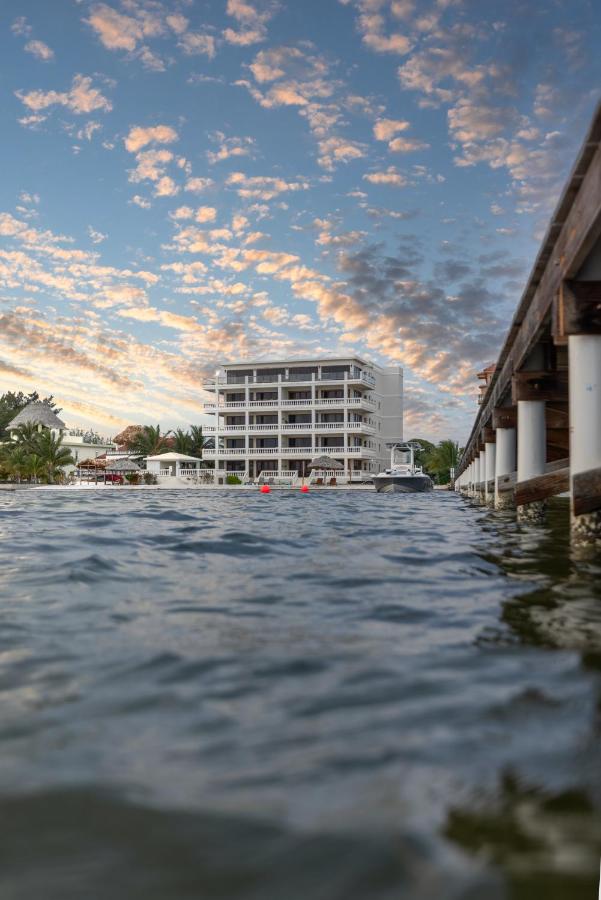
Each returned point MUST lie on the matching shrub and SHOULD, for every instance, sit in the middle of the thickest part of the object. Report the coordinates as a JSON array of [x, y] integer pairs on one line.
[[149, 478], [232, 479]]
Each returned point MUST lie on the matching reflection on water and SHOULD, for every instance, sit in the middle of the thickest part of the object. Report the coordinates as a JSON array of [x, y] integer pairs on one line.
[[338, 695]]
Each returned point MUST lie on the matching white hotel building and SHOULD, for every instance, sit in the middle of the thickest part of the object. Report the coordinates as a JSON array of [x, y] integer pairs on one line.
[[276, 416]]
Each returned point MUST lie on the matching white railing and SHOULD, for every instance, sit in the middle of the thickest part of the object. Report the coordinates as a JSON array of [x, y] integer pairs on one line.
[[164, 473], [281, 476], [292, 426], [289, 451], [307, 404], [294, 378], [188, 472]]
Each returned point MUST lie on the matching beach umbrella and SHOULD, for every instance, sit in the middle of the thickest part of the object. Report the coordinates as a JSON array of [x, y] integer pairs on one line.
[[325, 462]]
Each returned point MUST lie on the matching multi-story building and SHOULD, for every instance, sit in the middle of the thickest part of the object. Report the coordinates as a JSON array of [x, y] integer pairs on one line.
[[277, 416]]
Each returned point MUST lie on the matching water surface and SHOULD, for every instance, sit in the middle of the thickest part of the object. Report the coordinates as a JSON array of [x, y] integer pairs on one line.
[[332, 696]]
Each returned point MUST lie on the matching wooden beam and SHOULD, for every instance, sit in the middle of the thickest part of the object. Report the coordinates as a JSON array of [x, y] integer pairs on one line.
[[505, 417], [542, 486], [489, 435], [506, 482], [577, 309], [586, 491], [558, 464], [527, 385]]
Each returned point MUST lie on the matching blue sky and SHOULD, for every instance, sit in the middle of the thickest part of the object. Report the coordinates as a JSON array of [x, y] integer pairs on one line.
[[187, 183]]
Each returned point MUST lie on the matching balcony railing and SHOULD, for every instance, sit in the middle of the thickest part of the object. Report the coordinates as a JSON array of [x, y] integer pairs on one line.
[[289, 451], [291, 378], [297, 404], [289, 426]]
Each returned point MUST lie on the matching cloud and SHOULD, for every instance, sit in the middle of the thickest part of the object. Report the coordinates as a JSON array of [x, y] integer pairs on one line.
[[229, 147], [252, 19], [262, 187], [40, 50], [118, 31], [205, 214], [21, 27], [406, 145], [142, 202], [194, 43], [335, 150], [80, 99], [97, 237], [390, 176], [198, 185], [139, 137], [385, 129], [372, 24]]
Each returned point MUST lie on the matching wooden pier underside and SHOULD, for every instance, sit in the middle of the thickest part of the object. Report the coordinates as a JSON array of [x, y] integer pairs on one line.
[[562, 299]]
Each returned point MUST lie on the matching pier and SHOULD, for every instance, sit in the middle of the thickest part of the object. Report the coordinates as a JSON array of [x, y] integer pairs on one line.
[[537, 433]]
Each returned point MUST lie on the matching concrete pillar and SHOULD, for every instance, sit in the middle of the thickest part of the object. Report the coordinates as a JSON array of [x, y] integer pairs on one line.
[[476, 488], [585, 422], [505, 464], [532, 451], [483, 455], [491, 454]]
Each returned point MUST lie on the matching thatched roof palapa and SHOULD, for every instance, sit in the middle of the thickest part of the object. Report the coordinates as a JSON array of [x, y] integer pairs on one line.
[[325, 462], [122, 465], [37, 413]]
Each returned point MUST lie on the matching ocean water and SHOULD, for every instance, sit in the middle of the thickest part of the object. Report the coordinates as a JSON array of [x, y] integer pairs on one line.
[[333, 696]]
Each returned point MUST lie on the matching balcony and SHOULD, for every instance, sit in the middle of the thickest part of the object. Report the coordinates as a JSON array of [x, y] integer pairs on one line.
[[292, 427], [258, 452], [355, 402], [355, 375]]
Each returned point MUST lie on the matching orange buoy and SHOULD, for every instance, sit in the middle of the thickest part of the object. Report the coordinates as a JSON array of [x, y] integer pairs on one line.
[[304, 489], [265, 489]]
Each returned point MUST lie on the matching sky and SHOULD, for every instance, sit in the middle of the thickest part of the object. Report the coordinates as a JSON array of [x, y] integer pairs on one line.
[[188, 183]]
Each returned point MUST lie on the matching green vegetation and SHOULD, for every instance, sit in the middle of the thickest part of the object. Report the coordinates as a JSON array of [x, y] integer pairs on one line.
[[11, 405], [35, 455], [438, 459], [232, 479], [148, 440]]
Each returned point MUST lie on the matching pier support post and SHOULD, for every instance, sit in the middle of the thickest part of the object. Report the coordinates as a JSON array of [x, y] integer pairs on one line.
[[505, 464], [491, 456], [532, 452], [585, 436], [482, 488], [476, 488]]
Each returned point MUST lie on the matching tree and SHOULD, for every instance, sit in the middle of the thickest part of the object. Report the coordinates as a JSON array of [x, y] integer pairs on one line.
[[55, 457], [182, 441], [198, 442], [149, 441], [12, 403], [443, 458], [128, 435], [422, 457]]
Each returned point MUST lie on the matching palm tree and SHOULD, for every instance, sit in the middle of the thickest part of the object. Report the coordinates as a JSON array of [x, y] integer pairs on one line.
[[182, 441], [36, 466], [444, 457], [53, 454], [198, 442], [26, 436], [149, 441], [16, 461]]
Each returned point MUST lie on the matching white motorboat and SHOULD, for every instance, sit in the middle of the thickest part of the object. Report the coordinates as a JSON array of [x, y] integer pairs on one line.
[[403, 476]]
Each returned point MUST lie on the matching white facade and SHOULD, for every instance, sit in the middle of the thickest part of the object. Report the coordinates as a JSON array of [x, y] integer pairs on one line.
[[276, 416], [173, 465]]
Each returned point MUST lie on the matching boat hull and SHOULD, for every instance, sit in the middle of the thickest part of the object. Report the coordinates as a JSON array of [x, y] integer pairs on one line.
[[402, 484]]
